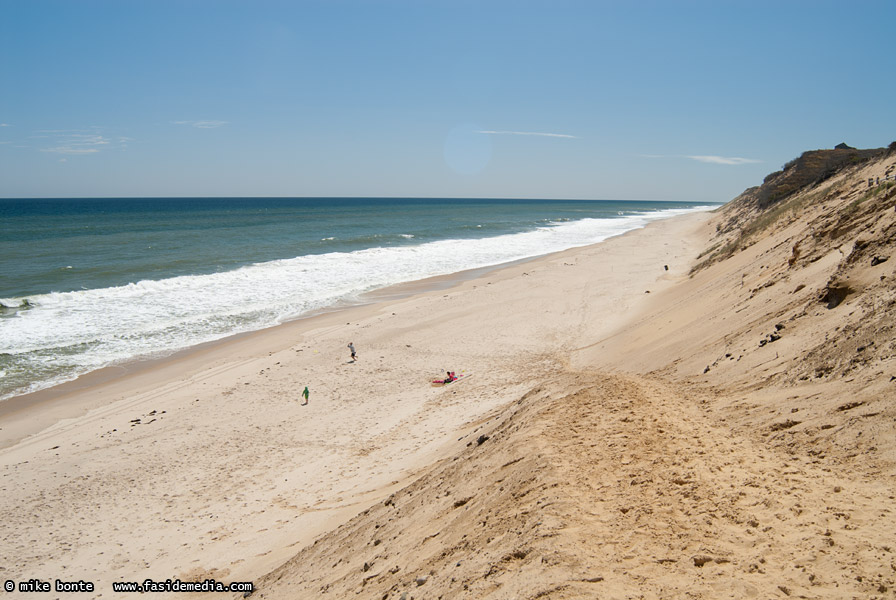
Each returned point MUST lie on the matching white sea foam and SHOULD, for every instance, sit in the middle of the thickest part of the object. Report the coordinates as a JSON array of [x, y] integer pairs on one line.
[[88, 329]]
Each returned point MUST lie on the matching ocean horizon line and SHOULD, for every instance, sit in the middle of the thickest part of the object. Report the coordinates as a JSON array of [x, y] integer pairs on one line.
[[340, 197]]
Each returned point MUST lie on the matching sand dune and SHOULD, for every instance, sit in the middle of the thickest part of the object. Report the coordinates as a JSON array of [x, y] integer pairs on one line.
[[607, 486], [733, 438]]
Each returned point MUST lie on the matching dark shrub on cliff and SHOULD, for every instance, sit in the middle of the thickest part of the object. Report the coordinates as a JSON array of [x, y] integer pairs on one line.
[[810, 168]]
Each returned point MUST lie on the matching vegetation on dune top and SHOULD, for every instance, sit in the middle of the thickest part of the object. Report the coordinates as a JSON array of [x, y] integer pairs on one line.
[[787, 193], [810, 168]]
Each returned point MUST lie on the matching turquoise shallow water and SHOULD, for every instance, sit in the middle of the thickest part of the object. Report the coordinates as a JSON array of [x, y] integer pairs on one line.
[[91, 282]]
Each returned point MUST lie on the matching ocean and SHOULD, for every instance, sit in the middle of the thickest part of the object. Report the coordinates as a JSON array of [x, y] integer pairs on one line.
[[89, 283]]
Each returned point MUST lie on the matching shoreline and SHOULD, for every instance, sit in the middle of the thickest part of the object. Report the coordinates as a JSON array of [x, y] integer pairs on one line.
[[21, 413], [31, 370]]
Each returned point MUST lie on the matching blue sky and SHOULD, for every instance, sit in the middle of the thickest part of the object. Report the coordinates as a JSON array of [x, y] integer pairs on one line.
[[556, 99]]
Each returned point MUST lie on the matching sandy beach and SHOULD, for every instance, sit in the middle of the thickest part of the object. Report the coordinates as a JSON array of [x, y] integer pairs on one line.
[[209, 465], [620, 429]]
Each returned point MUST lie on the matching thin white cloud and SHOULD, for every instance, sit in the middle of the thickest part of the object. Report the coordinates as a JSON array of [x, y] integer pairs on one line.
[[714, 160], [209, 124], [202, 124], [70, 150], [724, 160], [5, 125], [542, 134], [76, 142]]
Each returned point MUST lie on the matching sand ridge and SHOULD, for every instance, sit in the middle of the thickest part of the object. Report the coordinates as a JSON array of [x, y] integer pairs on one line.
[[606, 486]]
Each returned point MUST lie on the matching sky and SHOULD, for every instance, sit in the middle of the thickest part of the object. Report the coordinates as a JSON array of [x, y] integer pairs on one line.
[[625, 100]]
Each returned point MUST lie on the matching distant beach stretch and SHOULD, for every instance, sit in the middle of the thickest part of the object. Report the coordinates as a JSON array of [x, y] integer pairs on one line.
[[96, 282]]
